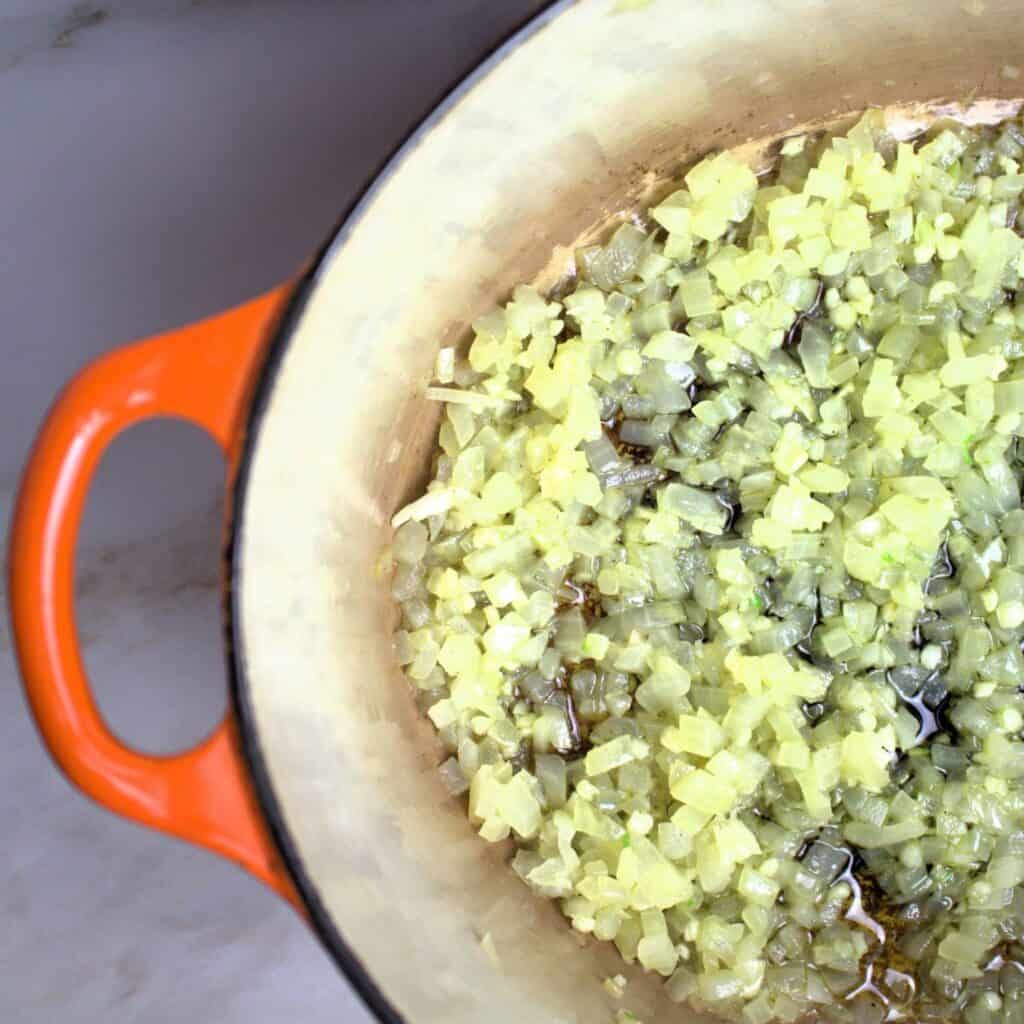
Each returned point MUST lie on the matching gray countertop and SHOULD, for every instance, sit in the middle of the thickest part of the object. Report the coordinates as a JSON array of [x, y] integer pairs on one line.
[[165, 159]]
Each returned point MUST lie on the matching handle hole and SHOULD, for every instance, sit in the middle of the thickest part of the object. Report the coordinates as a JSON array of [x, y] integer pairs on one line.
[[148, 599]]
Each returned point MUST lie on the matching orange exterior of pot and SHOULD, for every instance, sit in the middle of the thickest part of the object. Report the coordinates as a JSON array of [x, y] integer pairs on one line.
[[202, 373]]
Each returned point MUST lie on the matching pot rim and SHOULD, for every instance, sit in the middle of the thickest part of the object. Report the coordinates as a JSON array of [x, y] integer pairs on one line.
[[323, 925]]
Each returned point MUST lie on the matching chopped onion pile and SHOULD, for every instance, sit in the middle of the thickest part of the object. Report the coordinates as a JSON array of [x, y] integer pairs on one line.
[[717, 595]]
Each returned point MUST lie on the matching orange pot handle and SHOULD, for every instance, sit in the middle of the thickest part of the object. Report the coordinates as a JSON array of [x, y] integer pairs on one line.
[[201, 373]]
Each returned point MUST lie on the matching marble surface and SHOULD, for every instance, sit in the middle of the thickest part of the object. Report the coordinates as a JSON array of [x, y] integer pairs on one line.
[[166, 159]]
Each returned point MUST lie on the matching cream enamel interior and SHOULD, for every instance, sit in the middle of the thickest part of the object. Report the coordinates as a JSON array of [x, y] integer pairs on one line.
[[586, 118]]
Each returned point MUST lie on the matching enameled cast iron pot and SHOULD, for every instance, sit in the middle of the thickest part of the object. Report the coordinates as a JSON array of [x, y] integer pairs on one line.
[[321, 780]]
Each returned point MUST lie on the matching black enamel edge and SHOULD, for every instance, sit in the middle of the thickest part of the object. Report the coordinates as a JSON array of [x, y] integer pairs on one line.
[[325, 928]]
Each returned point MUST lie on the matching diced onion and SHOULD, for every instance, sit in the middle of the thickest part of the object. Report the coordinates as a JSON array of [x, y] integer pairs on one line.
[[716, 596]]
